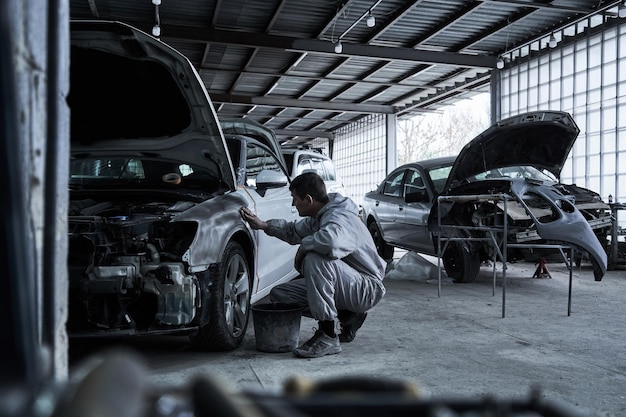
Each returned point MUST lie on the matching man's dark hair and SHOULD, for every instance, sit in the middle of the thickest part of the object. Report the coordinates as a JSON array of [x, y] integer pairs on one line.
[[309, 183]]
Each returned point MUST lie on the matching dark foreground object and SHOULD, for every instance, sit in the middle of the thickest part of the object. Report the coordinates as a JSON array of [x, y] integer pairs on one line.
[[206, 396]]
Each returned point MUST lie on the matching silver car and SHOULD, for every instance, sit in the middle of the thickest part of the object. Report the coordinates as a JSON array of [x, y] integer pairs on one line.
[[521, 157]]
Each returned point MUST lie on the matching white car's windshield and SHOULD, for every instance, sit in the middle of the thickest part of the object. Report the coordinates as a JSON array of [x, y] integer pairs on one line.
[[100, 171]]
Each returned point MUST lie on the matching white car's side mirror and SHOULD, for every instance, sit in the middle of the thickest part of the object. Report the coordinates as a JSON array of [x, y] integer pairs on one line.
[[271, 179]]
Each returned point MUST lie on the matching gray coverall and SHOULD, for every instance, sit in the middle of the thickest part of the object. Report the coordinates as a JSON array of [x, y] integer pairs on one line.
[[342, 269]]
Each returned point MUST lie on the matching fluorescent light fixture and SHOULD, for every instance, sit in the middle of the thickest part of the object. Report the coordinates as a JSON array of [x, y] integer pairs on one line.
[[156, 29]]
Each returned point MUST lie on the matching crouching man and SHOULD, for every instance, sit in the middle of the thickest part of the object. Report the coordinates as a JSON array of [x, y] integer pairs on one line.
[[342, 274]]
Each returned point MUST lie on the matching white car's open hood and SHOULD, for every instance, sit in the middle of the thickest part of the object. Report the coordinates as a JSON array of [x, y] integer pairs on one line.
[[542, 139], [132, 94]]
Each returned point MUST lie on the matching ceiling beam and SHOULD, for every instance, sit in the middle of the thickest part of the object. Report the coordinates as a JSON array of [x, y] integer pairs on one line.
[[535, 5], [302, 104], [260, 40], [470, 84], [361, 79], [304, 133], [232, 114]]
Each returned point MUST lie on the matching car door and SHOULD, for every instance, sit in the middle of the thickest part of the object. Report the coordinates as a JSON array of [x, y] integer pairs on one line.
[[304, 164], [387, 206], [412, 219], [274, 258], [318, 166]]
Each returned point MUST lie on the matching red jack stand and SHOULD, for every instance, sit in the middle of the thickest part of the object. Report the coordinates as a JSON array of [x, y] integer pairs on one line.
[[542, 270]]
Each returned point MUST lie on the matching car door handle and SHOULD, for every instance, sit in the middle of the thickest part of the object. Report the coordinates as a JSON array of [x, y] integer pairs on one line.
[[377, 203], [400, 208]]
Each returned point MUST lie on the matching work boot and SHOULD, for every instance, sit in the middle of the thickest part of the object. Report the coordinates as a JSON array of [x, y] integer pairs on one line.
[[319, 345], [350, 323]]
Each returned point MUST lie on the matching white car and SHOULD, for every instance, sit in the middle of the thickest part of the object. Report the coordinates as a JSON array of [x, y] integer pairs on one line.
[[157, 244], [301, 160]]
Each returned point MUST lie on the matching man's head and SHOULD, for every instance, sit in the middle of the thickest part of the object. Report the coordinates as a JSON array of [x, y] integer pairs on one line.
[[309, 193]]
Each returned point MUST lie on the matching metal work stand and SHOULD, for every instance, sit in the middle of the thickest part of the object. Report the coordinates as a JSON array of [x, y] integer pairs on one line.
[[497, 235], [616, 260]]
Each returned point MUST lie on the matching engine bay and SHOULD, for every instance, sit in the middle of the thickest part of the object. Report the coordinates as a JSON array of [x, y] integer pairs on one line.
[[126, 267]]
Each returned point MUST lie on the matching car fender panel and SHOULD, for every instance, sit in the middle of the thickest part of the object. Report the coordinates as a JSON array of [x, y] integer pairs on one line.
[[569, 226], [218, 220], [552, 216]]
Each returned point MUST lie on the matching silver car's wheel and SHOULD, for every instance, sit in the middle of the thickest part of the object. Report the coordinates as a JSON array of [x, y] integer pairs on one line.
[[461, 261], [384, 250], [229, 302]]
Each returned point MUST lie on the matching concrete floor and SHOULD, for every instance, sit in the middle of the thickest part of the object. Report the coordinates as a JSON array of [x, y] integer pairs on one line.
[[456, 345]]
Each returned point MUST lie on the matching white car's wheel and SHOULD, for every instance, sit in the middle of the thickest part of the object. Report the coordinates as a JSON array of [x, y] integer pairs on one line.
[[229, 302]]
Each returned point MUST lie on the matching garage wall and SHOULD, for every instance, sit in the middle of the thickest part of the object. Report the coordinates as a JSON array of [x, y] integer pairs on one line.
[[587, 79], [360, 154]]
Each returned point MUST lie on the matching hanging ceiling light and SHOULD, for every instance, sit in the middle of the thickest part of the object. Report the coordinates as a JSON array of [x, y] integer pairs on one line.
[[621, 10], [371, 20], [552, 42], [500, 63], [156, 29], [338, 47]]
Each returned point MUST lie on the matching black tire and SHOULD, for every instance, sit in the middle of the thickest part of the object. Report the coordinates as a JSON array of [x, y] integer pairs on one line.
[[461, 261], [229, 303], [384, 250]]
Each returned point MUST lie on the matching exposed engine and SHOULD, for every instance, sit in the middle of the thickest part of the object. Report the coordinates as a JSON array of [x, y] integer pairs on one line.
[[126, 267]]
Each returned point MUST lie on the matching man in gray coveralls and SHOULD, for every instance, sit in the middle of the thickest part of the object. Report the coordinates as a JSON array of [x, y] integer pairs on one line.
[[342, 272]]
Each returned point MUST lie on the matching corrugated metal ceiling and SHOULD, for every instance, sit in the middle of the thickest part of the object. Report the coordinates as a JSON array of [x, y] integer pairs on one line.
[[274, 60]]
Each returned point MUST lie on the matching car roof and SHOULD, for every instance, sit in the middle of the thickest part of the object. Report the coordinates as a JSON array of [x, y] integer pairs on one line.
[[429, 163]]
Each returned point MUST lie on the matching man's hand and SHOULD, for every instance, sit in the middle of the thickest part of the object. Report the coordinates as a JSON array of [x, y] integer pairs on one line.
[[297, 263], [252, 219]]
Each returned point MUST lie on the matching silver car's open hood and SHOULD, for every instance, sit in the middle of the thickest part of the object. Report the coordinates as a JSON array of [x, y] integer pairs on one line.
[[542, 139], [131, 94]]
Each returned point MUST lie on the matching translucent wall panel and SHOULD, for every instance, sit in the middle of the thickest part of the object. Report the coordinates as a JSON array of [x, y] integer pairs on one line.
[[359, 153], [588, 80]]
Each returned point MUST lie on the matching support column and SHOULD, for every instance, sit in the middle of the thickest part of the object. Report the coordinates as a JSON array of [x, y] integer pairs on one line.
[[496, 96], [392, 142]]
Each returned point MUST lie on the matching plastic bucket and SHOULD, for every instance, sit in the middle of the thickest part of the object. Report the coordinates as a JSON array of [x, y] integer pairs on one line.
[[276, 326]]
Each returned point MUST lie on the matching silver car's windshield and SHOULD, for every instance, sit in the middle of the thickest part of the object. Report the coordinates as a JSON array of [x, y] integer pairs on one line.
[[523, 172], [439, 176]]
